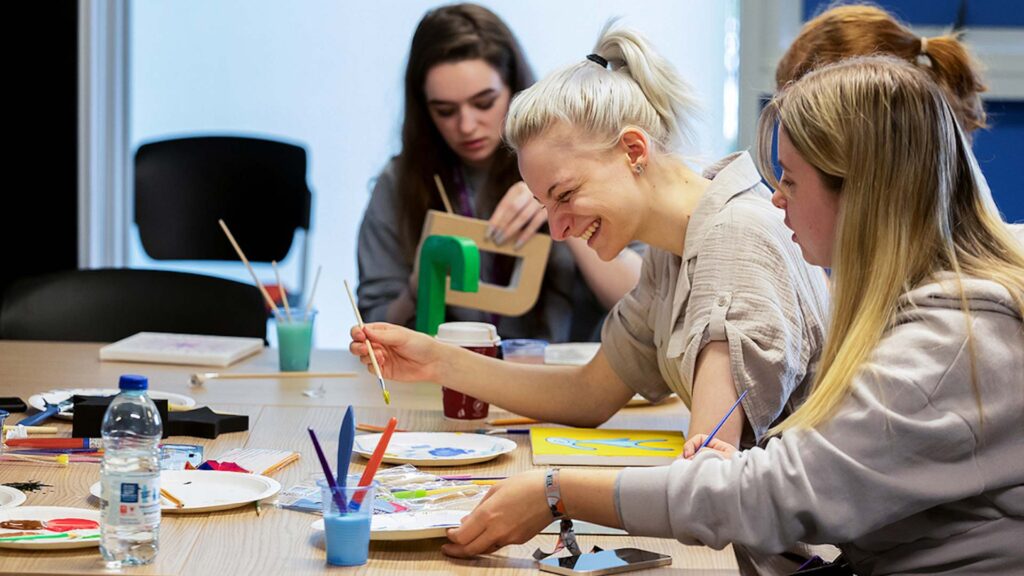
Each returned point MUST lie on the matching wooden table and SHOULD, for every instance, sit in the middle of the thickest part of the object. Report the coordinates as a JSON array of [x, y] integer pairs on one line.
[[281, 541]]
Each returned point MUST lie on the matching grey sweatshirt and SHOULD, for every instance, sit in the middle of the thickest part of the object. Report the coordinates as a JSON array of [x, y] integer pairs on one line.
[[904, 478]]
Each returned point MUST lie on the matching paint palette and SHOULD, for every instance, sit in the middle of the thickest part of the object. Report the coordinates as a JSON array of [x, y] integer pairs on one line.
[[38, 401], [10, 497], [209, 490], [55, 539], [435, 448], [418, 525]]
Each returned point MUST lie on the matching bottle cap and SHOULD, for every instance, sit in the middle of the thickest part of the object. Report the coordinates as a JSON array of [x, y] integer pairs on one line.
[[133, 382]]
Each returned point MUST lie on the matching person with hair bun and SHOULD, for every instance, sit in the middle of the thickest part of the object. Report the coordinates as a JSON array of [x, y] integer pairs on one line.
[[849, 30], [907, 452], [725, 305], [464, 67], [861, 30]]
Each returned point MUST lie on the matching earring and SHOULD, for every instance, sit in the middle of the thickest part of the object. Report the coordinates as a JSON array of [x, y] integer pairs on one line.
[[639, 169]]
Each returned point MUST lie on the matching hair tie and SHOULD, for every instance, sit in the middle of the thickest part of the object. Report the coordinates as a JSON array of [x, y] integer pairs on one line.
[[924, 45], [598, 59]]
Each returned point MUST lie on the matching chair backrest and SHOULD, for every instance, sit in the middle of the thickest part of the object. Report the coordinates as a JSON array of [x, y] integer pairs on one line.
[[110, 304], [183, 186]]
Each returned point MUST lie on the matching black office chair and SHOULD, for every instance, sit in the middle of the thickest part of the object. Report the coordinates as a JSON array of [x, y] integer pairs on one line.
[[183, 186], [110, 304]]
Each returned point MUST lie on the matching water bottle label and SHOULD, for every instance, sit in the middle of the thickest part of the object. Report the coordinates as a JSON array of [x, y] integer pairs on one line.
[[136, 503]]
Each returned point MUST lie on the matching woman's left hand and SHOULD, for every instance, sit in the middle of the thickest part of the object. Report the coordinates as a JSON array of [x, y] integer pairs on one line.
[[517, 217], [512, 512]]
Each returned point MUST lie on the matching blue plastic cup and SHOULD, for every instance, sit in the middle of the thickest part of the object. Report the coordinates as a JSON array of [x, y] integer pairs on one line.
[[347, 530]]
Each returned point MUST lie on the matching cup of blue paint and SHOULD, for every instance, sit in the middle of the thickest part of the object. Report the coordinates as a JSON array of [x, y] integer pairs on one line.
[[347, 531]]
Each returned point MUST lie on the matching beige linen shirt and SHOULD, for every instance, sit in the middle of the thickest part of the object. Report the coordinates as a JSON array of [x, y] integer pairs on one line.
[[741, 279]]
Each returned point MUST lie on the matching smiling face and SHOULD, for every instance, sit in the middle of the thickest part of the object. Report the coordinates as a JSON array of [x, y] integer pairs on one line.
[[588, 193], [812, 208], [468, 101]]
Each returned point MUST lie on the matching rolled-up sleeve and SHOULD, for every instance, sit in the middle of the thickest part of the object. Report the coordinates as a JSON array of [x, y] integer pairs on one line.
[[627, 337], [745, 292]]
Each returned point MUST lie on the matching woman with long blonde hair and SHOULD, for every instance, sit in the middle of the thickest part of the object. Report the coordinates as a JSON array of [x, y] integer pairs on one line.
[[908, 451]]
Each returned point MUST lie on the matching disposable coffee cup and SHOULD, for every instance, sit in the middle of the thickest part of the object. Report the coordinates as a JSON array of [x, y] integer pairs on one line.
[[479, 337]]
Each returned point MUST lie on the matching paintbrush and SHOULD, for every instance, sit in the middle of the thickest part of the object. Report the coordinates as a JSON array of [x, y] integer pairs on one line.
[[373, 357], [339, 499], [722, 422], [375, 460], [172, 498]]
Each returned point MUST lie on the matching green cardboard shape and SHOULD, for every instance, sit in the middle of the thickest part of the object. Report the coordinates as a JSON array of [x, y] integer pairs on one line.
[[439, 257]]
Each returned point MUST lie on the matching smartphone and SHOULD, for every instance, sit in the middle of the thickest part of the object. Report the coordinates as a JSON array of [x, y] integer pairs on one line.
[[605, 562]]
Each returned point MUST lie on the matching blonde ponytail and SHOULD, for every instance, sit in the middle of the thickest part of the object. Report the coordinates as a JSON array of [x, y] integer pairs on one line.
[[640, 89]]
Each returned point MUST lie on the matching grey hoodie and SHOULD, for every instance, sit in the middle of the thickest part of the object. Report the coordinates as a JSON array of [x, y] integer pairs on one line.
[[904, 478]]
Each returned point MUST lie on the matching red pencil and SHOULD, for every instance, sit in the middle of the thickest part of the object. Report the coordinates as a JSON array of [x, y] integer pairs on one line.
[[55, 442], [375, 459]]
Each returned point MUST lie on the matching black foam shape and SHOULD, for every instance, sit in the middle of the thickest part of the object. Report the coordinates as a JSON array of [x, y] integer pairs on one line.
[[205, 423]]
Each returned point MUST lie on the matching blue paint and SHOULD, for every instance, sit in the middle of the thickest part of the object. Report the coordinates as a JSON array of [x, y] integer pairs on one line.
[[448, 452], [348, 539], [615, 443]]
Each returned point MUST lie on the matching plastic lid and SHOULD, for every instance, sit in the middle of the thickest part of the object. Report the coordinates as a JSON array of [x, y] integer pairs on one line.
[[133, 382], [468, 334]]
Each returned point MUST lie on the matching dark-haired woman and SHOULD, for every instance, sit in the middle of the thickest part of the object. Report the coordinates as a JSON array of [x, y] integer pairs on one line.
[[464, 67]]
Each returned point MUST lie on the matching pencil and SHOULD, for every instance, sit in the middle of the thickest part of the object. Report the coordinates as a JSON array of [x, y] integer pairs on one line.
[[511, 421], [172, 498]]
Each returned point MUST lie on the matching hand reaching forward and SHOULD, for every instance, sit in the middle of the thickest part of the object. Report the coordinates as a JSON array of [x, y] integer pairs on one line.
[[512, 512]]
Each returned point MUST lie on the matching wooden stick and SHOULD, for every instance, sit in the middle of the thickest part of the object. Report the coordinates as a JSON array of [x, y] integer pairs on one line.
[[444, 195], [312, 293], [280, 288], [238, 249], [199, 378], [33, 429], [373, 357], [172, 498]]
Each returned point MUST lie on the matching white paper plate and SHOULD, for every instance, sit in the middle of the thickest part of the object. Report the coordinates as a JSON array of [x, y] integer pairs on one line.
[[54, 396], [418, 525], [435, 448], [49, 513], [10, 497], [210, 490]]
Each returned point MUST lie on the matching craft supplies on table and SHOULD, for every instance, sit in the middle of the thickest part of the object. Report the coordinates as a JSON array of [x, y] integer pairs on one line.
[[442, 506], [259, 460]]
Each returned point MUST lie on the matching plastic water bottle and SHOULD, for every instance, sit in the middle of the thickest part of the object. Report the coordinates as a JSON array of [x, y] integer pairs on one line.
[[130, 477]]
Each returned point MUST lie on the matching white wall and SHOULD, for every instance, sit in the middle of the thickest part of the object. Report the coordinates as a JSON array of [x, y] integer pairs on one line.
[[328, 74]]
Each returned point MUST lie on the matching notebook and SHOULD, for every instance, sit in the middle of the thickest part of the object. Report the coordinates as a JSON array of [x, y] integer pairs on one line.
[[259, 460], [600, 447], [193, 349]]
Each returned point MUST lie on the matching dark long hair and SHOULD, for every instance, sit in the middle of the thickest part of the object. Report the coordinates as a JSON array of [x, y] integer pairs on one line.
[[451, 34]]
